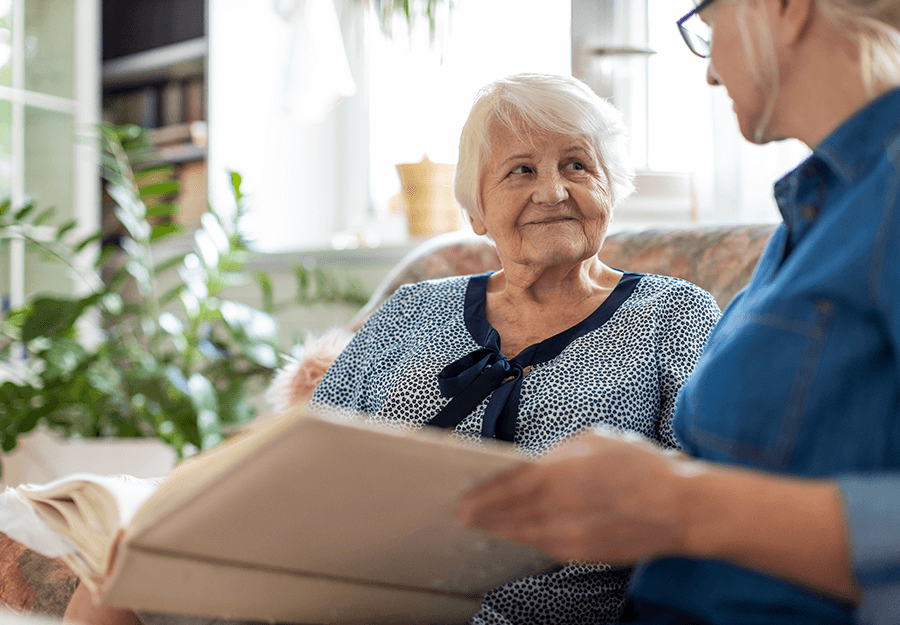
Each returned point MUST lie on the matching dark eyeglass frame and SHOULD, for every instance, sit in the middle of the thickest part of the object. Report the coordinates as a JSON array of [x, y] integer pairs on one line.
[[690, 37]]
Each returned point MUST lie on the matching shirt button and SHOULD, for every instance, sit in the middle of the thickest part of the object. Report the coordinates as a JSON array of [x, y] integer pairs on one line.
[[809, 212]]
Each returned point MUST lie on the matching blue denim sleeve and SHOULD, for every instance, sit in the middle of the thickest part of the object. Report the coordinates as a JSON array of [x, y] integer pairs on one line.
[[872, 512]]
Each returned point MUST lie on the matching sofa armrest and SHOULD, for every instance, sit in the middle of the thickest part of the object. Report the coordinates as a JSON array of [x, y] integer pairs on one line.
[[30, 582]]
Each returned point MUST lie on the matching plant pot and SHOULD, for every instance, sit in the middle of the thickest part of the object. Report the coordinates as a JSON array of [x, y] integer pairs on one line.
[[41, 457], [428, 193]]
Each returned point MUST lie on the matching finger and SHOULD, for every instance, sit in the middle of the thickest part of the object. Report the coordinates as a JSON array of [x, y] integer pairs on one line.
[[509, 495]]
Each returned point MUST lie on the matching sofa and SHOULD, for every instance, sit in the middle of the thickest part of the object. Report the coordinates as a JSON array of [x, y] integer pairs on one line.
[[718, 258]]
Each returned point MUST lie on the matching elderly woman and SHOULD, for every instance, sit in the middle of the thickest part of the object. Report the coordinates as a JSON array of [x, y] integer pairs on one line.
[[554, 342], [797, 395]]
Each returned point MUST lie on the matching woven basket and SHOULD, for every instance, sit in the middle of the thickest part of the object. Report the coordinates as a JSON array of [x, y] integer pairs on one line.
[[428, 194]]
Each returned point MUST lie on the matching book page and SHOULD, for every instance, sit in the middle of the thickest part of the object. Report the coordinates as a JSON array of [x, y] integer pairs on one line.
[[89, 510], [119, 496]]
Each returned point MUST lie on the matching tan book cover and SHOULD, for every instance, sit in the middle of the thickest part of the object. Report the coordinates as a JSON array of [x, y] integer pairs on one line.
[[307, 519]]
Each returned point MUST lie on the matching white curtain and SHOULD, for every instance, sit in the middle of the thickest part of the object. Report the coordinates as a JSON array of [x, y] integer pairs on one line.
[[303, 155]]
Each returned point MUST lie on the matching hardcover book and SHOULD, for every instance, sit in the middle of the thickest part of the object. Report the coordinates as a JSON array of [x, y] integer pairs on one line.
[[302, 519]]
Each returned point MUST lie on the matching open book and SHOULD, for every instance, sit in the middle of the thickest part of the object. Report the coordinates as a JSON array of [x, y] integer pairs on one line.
[[301, 519]]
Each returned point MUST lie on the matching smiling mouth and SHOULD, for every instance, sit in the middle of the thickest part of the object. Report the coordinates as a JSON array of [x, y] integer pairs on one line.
[[549, 221]]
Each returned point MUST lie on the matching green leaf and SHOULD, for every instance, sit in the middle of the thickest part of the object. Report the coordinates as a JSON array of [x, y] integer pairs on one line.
[[107, 253], [164, 229], [302, 275], [9, 442], [23, 212], [236, 185], [4, 206], [171, 294], [49, 316], [141, 275], [166, 187], [43, 216], [133, 220], [87, 241], [165, 209], [65, 228], [17, 318], [155, 170], [265, 283]]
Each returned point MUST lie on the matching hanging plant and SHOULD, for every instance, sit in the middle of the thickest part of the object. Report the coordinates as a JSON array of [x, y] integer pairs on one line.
[[410, 11]]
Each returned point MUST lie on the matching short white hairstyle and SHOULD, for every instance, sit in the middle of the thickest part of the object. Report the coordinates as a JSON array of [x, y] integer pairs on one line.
[[542, 103]]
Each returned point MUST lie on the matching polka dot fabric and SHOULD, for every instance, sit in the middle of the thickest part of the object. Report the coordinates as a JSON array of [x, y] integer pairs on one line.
[[624, 373]]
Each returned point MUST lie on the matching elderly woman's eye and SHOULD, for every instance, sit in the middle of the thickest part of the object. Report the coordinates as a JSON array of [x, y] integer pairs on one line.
[[576, 165], [522, 169]]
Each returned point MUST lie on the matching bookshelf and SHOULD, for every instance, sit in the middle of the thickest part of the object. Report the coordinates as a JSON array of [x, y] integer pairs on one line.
[[154, 74]]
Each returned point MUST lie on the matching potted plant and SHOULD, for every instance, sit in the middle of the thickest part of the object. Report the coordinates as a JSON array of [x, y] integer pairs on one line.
[[179, 366]]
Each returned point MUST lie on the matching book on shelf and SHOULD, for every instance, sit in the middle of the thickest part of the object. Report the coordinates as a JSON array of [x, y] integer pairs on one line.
[[192, 193], [170, 134], [302, 518], [171, 103]]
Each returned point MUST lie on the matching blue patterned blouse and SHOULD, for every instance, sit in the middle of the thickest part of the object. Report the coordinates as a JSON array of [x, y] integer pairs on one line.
[[429, 348]]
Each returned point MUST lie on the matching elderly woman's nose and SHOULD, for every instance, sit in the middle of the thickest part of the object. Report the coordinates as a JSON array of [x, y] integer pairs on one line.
[[550, 190]]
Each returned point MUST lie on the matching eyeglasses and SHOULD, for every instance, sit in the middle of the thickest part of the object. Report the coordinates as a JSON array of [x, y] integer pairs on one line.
[[695, 31]]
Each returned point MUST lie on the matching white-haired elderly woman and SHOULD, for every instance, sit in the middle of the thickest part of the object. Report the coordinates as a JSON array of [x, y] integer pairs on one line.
[[797, 394], [554, 342]]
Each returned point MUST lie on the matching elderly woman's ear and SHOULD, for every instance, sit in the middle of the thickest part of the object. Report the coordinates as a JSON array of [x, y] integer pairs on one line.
[[477, 224]]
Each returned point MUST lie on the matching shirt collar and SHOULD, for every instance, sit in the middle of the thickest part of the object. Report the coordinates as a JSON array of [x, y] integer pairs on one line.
[[839, 160]]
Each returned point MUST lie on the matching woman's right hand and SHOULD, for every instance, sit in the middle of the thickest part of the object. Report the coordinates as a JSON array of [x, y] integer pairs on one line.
[[619, 499], [607, 498]]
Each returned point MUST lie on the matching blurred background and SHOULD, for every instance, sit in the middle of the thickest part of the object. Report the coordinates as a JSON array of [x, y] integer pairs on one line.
[[316, 102], [323, 134]]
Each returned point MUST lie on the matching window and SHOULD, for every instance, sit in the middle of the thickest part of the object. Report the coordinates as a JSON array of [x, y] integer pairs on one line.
[[684, 137], [308, 183], [49, 107], [420, 97], [691, 128]]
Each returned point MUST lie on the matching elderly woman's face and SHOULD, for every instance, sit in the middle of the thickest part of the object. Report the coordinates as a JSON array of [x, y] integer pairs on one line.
[[545, 198]]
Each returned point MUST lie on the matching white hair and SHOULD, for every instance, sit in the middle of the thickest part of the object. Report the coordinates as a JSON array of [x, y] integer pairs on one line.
[[542, 103]]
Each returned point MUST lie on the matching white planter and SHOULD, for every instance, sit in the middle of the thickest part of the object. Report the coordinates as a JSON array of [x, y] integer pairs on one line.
[[40, 458]]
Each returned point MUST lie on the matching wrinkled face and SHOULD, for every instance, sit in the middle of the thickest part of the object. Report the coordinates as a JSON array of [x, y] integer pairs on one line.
[[545, 198], [730, 64]]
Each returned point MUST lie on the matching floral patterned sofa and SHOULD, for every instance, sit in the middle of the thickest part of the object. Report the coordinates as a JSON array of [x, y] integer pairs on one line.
[[718, 258]]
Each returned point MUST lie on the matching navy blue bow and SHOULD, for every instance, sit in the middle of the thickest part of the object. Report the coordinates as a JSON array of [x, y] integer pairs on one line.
[[475, 376]]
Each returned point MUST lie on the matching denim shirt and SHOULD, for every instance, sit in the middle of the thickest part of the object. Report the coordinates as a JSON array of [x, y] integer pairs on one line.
[[801, 376]]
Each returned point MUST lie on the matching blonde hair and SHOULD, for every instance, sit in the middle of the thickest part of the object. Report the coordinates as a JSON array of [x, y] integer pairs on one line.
[[542, 103], [875, 24], [761, 59]]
